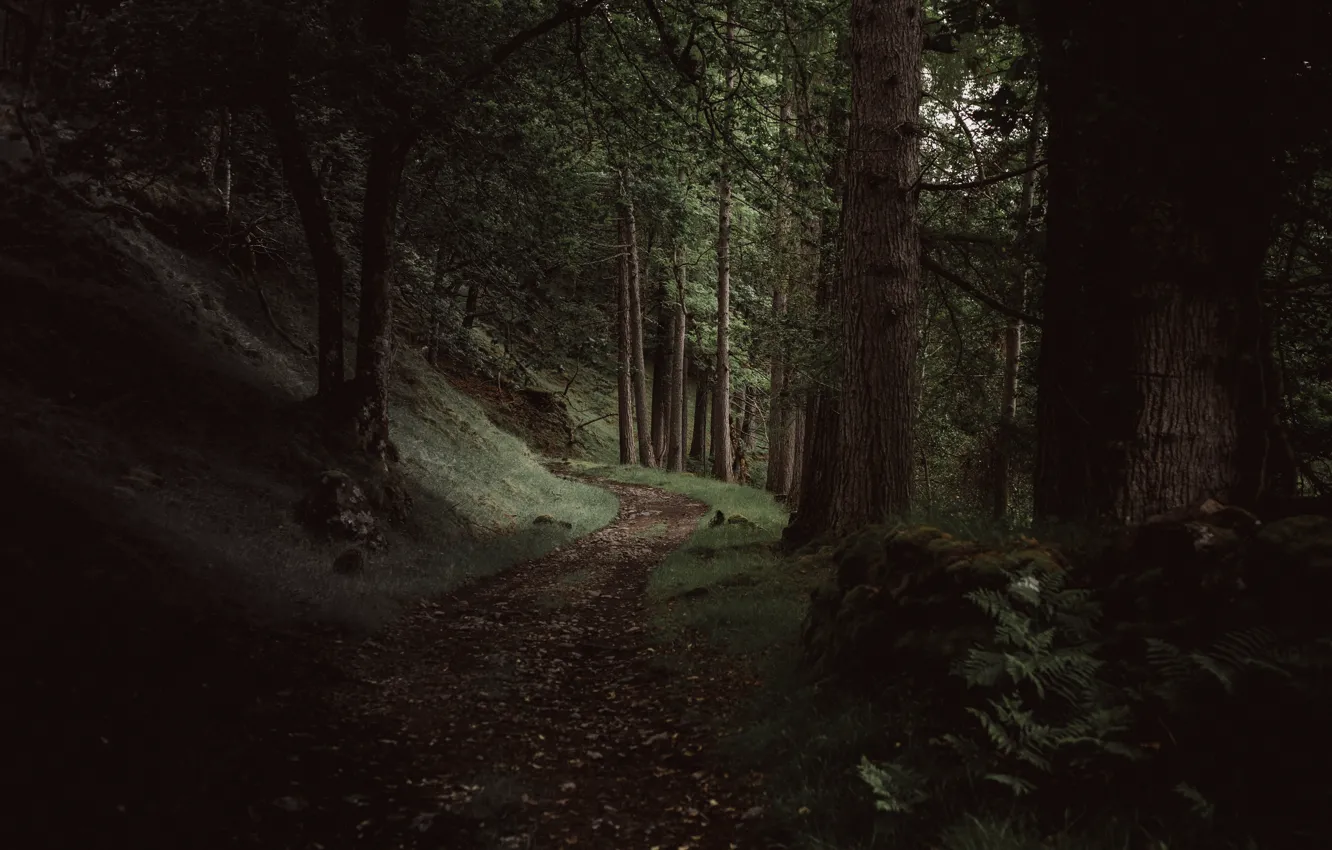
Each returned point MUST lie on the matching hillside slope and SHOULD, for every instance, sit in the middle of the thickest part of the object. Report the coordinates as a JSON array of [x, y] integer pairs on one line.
[[147, 379]]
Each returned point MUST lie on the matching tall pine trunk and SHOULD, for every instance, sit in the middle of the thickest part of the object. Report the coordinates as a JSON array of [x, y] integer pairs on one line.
[[675, 455], [663, 340], [629, 239], [882, 265], [721, 390], [780, 448], [698, 444], [624, 384], [1151, 392]]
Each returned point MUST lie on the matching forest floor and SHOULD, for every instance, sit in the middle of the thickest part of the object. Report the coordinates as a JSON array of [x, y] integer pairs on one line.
[[526, 710]]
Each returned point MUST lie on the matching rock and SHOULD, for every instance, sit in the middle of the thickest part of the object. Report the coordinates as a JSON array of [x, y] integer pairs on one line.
[[544, 519], [718, 518], [337, 506], [350, 562], [741, 521]]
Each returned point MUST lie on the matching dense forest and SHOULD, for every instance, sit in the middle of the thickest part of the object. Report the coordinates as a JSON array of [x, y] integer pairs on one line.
[[971, 357]]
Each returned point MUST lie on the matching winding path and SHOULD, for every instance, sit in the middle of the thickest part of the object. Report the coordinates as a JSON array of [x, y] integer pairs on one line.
[[529, 711]]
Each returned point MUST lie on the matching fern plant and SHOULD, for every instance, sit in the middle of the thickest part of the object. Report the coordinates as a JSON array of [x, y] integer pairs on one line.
[[1045, 707]]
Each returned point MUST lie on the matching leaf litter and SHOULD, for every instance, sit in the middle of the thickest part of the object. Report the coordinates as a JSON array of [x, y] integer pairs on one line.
[[505, 722]]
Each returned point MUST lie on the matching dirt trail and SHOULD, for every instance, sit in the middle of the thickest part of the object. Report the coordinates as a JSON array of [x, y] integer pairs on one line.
[[536, 714], [529, 710]]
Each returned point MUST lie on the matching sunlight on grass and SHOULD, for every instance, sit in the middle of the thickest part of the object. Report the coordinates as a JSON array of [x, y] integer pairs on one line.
[[726, 585]]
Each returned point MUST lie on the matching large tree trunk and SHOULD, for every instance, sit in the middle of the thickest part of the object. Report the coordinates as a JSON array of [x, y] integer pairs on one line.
[[882, 266], [317, 223], [629, 238], [1150, 378], [1017, 296], [624, 384]]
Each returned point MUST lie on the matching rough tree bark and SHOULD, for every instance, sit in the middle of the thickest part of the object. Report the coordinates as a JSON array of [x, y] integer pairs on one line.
[[882, 265], [1151, 387], [629, 240]]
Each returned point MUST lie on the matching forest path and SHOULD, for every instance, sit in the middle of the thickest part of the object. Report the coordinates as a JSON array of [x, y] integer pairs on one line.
[[531, 711]]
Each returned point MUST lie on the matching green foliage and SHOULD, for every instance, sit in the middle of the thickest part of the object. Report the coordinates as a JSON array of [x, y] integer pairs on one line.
[[1054, 717]]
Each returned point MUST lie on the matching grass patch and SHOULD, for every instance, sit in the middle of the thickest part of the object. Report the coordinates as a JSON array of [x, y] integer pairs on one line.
[[730, 587], [726, 585]]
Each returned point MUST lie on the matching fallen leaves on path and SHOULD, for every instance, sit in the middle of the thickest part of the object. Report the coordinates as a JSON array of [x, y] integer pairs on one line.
[[531, 711]]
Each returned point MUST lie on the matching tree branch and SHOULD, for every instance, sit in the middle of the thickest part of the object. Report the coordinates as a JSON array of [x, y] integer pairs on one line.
[[930, 265], [567, 12], [978, 184]]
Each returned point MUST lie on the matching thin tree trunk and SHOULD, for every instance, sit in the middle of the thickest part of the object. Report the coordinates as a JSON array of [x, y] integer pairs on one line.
[[780, 447], [677, 424], [222, 162], [661, 375], [1003, 449], [629, 238], [471, 306], [721, 392], [698, 446], [374, 341], [624, 383], [882, 270], [797, 429], [317, 223]]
